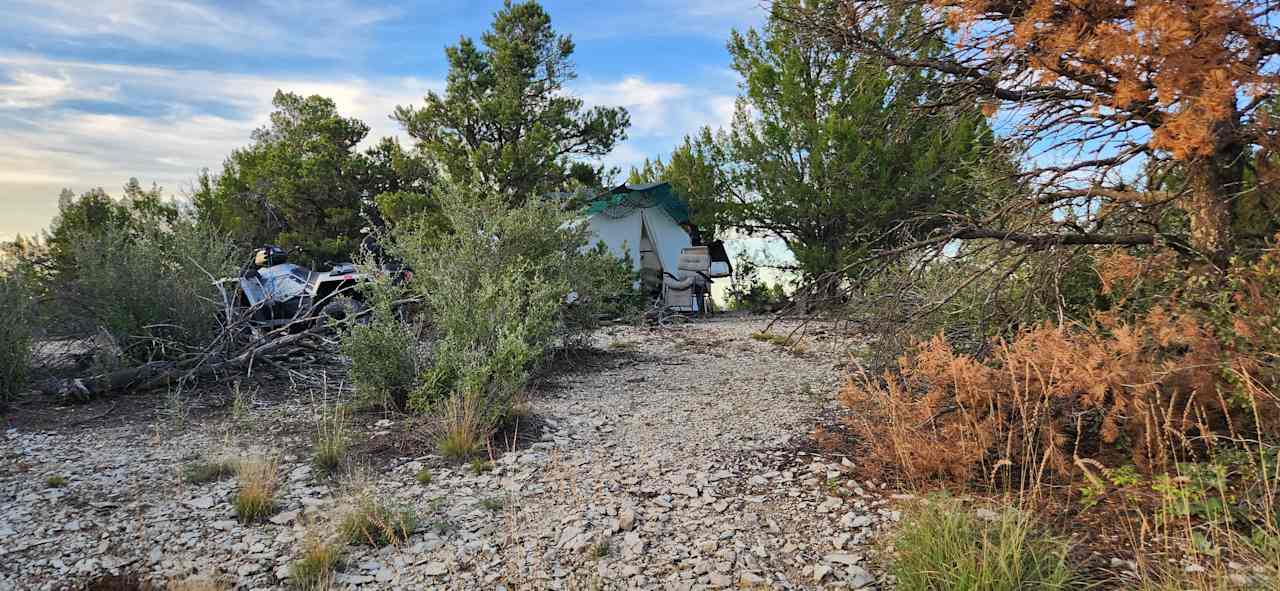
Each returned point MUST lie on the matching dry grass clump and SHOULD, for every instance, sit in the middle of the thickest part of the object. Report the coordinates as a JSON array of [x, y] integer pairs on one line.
[[199, 584], [376, 522], [256, 498], [331, 441], [315, 569], [943, 546], [463, 429]]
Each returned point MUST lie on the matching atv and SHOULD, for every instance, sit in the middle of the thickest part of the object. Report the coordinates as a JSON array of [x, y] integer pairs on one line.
[[271, 292]]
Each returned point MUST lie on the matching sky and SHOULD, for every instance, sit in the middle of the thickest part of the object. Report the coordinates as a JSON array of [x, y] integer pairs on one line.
[[93, 93]]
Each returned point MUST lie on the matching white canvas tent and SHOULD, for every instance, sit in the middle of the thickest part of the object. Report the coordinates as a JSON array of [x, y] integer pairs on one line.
[[649, 236]]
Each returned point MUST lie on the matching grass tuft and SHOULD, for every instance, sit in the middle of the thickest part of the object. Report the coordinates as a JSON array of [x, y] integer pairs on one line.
[[55, 481], [424, 476], [197, 584], [943, 546], [494, 504], [479, 466], [463, 432], [314, 570], [331, 442], [256, 498], [204, 471], [375, 522], [598, 550]]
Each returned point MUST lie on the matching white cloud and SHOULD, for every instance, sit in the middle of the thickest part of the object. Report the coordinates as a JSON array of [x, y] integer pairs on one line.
[[662, 113], [29, 89], [318, 27], [45, 147], [711, 19], [164, 125]]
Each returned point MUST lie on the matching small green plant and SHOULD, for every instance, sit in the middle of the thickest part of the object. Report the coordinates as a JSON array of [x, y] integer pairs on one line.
[[331, 442], [943, 546], [493, 504], [423, 476], [55, 481], [241, 403], [255, 499], [176, 407], [780, 340], [314, 570], [599, 550], [208, 470], [481, 466], [442, 527], [376, 523]]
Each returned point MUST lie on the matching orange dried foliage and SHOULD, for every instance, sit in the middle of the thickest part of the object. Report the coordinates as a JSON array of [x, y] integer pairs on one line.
[[1186, 60], [1150, 388]]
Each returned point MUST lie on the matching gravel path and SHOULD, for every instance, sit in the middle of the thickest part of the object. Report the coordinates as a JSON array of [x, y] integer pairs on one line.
[[667, 461]]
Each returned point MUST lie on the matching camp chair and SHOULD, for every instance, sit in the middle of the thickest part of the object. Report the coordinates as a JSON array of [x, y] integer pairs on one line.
[[687, 289]]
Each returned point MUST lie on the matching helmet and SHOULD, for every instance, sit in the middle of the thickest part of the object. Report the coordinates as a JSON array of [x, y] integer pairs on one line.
[[269, 255]]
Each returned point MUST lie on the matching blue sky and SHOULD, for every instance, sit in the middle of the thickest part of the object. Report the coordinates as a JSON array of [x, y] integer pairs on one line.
[[92, 93]]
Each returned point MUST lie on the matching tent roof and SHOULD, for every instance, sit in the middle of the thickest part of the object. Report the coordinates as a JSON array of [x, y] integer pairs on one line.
[[628, 197]]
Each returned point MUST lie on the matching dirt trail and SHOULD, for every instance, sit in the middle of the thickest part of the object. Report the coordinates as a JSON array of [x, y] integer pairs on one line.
[[667, 460]]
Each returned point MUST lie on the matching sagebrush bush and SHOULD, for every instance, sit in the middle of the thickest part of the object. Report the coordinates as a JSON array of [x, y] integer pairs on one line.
[[942, 545], [502, 290], [383, 349], [16, 332], [150, 290]]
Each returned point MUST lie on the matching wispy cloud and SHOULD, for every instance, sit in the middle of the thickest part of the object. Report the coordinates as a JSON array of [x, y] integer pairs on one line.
[[712, 19], [289, 26], [92, 93], [189, 120], [661, 113]]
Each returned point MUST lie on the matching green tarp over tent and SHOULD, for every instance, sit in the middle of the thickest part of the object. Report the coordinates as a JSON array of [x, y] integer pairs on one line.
[[623, 198]]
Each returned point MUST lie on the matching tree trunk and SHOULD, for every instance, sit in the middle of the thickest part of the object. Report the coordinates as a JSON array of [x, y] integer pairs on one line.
[[1212, 183]]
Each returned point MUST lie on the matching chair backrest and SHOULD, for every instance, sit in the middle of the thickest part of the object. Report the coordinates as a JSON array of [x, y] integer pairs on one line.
[[695, 258]]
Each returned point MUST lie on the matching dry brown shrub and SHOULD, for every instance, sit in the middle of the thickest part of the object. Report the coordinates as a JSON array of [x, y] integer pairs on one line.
[[1151, 384]]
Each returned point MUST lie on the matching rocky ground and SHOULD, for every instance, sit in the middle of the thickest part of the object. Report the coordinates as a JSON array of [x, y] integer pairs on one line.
[[669, 459]]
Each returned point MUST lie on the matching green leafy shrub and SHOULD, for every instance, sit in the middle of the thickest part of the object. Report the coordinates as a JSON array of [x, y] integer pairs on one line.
[[150, 289], [503, 289], [943, 546], [747, 291], [383, 350], [15, 336]]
